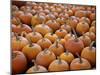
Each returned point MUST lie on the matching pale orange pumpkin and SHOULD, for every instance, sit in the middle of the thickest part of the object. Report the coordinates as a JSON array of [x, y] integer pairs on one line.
[[45, 57]]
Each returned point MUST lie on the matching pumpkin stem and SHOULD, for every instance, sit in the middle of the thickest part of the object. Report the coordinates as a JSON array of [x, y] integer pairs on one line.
[[30, 42], [65, 25], [59, 60], [23, 34], [33, 31], [83, 35], [56, 43], [14, 55], [13, 14], [64, 22], [19, 22], [79, 57], [67, 52], [91, 45], [70, 33], [45, 51], [43, 40], [17, 37], [76, 39], [35, 64], [51, 33], [60, 30], [17, 19], [42, 20]]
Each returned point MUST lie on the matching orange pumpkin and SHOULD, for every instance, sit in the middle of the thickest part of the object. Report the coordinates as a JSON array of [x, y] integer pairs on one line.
[[14, 20], [66, 27], [17, 13], [74, 45], [39, 69], [31, 50], [92, 16], [53, 24], [91, 35], [19, 62], [93, 23], [82, 27], [80, 64], [21, 27], [61, 33], [86, 40], [62, 41], [70, 12], [57, 48], [80, 13], [85, 19], [89, 53], [92, 29], [42, 29], [67, 56], [58, 65], [72, 22], [37, 19], [45, 57], [61, 21], [52, 37], [26, 18], [34, 36], [69, 36], [44, 43], [36, 68], [14, 8], [18, 42]]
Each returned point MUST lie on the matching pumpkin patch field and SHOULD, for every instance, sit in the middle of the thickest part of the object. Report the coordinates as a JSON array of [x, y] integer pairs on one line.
[[52, 37]]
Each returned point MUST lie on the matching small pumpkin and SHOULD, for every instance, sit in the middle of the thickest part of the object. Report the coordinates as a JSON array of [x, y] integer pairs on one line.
[[80, 64], [42, 29], [74, 45], [89, 53], [67, 56], [82, 27], [19, 62], [58, 65], [44, 43], [57, 48], [86, 40], [31, 50], [52, 37], [45, 57], [18, 42], [36, 68], [61, 33]]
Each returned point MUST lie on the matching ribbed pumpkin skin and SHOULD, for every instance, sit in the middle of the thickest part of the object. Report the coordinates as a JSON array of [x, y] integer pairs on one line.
[[74, 46]]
